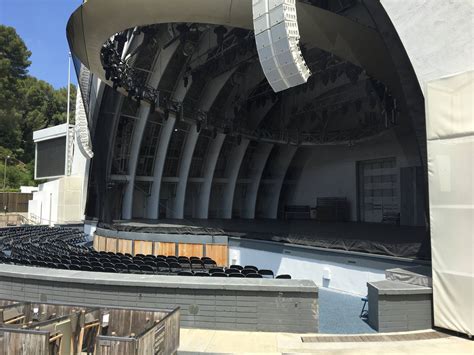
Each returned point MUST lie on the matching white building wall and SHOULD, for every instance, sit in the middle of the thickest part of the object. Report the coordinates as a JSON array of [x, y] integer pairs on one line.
[[58, 201], [43, 209]]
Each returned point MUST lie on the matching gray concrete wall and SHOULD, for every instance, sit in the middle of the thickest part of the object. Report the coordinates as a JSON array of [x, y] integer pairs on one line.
[[214, 303], [397, 306], [350, 271]]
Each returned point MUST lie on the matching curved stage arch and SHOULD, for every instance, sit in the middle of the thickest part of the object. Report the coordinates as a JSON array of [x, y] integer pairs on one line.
[[396, 50]]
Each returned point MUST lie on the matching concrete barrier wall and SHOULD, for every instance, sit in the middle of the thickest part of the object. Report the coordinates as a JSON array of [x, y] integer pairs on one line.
[[335, 269], [397, 306], [214, 303]]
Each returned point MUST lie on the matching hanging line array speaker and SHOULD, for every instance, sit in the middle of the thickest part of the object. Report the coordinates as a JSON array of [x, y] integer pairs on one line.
[[277, 39]]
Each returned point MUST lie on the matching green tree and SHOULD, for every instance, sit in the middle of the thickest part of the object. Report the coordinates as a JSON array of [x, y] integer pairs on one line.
[[42, 107], [13, 63], [26, 104], [13, 67]]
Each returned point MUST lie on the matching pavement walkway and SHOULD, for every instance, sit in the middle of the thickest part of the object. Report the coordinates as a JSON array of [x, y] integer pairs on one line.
[[205, 341]]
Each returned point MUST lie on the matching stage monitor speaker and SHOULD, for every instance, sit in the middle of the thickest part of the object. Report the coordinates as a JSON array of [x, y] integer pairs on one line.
[[277, 39]]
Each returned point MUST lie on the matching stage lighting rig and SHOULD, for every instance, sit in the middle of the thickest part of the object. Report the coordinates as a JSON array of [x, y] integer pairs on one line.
[[277, 39], [124, 76]]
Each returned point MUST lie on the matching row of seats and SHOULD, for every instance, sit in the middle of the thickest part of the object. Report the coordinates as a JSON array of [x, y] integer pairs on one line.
[[67, 248]]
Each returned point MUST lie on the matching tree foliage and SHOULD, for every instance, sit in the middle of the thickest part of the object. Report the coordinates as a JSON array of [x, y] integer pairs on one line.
[[26, 104]]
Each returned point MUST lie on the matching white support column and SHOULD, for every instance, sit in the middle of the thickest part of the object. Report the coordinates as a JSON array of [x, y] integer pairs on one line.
[[283, 161], [186, 159], [153, 203], [209, 167], [210, 93], [142, 117], [160, 64], [260, 159], [118, 102], [233, 167]]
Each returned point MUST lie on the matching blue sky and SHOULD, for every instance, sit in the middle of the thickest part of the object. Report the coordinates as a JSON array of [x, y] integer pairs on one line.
[[42, 25]]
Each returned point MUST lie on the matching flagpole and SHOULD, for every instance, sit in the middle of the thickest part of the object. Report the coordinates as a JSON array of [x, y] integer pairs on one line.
[[66, 170]]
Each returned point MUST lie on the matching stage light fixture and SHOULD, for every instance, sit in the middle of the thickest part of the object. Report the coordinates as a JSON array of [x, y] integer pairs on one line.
[[188, 48], [220, 31], [277, 39]]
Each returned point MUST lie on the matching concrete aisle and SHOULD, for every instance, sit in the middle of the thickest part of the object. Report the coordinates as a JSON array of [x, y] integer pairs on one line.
[[203, 341]]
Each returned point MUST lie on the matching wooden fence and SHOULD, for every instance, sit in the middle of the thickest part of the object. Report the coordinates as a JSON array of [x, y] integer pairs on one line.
[[14, 201], [140, 332], [56, 329]]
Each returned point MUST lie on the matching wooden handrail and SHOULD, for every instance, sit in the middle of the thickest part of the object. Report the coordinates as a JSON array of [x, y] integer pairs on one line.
[[56, 337], [13, 320], [91, 325]]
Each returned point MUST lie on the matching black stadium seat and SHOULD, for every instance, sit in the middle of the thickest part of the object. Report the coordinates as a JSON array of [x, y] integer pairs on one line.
[[163, 266], [237, 275], [266, 273], [254, 276], [232, 271], [215, 269], [133, 268], [67, 248], [201, 273], [175, 267], [196, 264], [121, 267], [147, 269], [185, 273], [284, 276], [209, 263], [219, 274]]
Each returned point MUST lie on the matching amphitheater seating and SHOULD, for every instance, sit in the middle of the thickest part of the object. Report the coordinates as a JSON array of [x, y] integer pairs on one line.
[[68, 248]]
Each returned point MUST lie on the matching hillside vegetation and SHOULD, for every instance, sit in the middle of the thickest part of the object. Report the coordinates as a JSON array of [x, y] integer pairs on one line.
[[26, 104]]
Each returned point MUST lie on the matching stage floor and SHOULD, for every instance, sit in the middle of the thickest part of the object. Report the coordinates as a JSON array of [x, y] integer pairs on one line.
[[374, 238]]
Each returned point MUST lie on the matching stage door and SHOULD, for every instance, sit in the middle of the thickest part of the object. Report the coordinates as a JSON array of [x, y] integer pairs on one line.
[[378, 190]]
